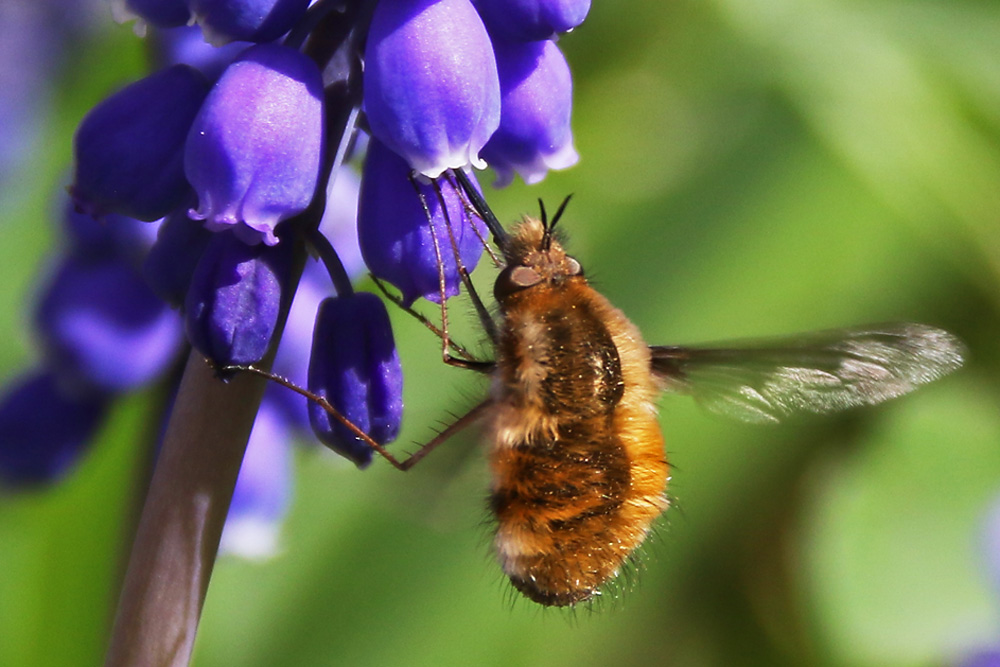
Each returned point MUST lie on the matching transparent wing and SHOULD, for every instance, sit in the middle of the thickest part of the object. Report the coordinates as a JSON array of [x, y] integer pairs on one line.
[[820, 372]]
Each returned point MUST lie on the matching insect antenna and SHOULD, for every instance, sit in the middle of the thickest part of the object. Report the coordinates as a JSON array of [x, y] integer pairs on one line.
[[547, 238], [560, 210], [550, 226]]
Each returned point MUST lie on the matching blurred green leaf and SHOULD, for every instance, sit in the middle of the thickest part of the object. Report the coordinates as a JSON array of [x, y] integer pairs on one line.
[[748, 168], [893, 541]]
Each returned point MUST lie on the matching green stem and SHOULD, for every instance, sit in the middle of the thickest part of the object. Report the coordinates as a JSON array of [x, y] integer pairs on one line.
[[178, 536]]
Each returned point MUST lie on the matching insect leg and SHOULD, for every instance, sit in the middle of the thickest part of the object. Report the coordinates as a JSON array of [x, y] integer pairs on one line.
[[420, 317], [400, 464], [484, 316], [446, 357], [467, 360], [467, 419]]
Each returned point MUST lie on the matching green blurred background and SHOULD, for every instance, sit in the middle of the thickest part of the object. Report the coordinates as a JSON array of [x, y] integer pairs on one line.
[[749, 168]]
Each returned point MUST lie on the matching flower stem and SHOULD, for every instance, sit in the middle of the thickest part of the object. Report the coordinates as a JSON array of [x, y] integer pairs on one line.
[[182, 520]]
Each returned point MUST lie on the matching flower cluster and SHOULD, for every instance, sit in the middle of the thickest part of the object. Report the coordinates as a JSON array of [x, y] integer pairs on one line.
[[102, 331], [239, 155]]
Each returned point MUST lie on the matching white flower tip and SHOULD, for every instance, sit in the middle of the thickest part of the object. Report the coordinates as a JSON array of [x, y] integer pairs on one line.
[[252, 538], [564, 158], [455, 158], [256, 232], [212, 36], [122, 13]]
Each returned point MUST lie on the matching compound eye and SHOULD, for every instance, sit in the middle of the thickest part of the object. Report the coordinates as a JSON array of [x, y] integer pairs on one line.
[[522, 276], [514, 279]]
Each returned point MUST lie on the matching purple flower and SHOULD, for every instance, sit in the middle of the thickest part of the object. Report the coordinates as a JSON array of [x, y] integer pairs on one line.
[[254, 152], [236, 294], [354, 364], [44, 427], [114, 236], [101, 326], [534, 134], [224, 21], [530, 20], [340, 226], [431, 91], [129, 148], [172, 259], [185, 45], [396, 240], [260, 500], [988, 655]]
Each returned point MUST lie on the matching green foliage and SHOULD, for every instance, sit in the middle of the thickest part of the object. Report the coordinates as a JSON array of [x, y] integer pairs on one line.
[[748, 168]]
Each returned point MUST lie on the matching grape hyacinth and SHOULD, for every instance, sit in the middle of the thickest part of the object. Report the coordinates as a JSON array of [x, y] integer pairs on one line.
[[242, 159], [253, 152], [397, 244], [155, 113], [355, 328]]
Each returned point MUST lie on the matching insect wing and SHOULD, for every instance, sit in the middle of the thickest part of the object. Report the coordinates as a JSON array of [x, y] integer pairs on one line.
[[820, 372]]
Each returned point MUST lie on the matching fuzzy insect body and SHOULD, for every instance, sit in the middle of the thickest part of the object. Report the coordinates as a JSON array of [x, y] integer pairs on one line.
[[577, 456]]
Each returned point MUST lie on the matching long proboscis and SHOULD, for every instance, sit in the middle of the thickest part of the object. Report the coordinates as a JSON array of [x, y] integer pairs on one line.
[[482, 208]]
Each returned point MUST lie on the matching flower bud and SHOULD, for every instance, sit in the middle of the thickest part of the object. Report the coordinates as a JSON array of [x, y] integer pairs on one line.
[[530, 20], [534, 134], [102, 327], [431, 91], [396, 240], [129, 148], [44, 429], [223, 21], [254, 151], [173, 257], [340, 226], [236, 292], [354, 364]]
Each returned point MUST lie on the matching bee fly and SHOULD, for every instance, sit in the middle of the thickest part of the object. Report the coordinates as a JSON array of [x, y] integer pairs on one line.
[[575, 448]]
